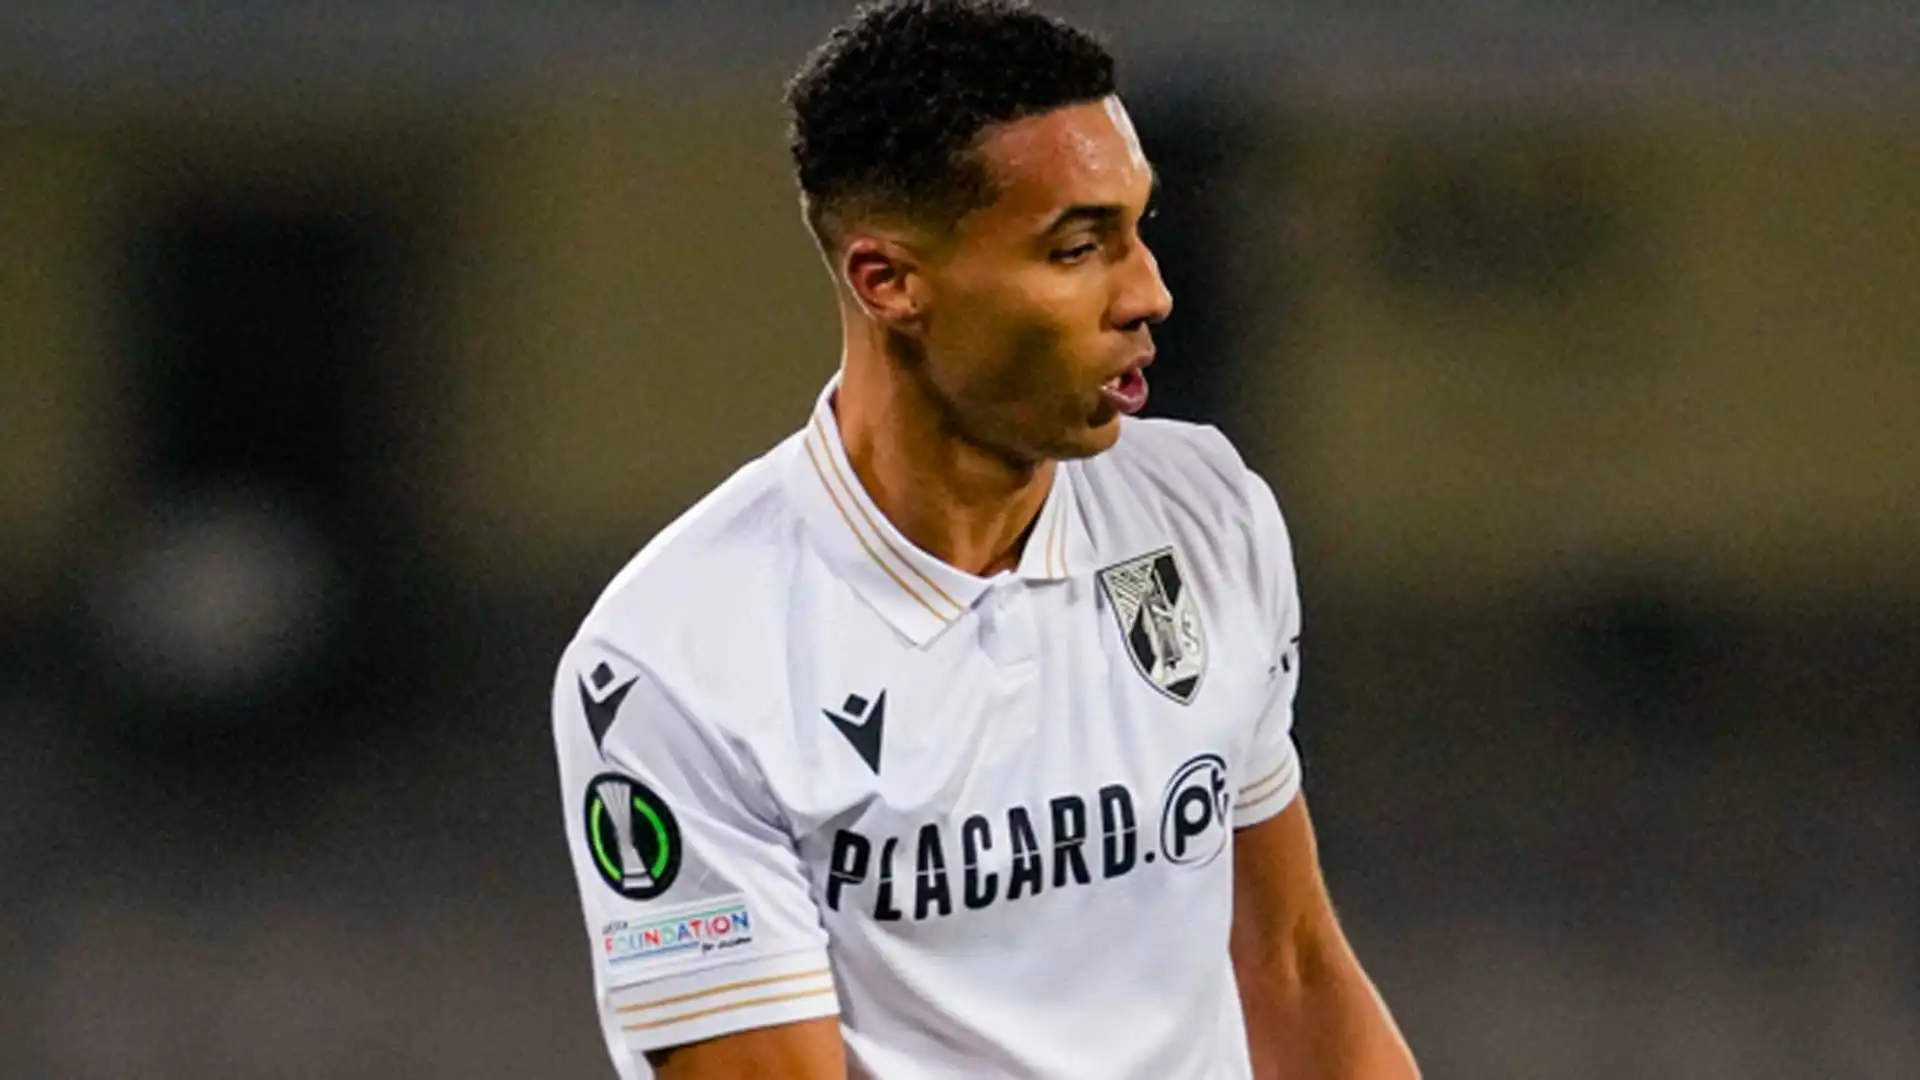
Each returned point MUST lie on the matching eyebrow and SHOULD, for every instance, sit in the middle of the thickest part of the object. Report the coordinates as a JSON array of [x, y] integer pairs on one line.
[[1097, 213]]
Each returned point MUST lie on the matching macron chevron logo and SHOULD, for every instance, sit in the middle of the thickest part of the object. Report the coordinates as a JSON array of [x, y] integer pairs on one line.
[[601, 705], [862, 725]]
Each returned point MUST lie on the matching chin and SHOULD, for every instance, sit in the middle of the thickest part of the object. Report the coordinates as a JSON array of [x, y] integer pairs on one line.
[[1096, 438]]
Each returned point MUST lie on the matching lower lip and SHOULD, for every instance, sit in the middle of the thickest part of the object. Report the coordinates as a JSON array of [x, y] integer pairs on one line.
[[1129, 394]]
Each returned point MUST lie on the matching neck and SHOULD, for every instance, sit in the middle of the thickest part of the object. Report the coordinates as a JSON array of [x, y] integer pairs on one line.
[[960, 503]]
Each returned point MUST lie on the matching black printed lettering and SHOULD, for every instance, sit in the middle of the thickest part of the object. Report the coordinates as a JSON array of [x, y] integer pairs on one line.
[[1118, 842], [1069, 836], [976, 839], [883, 908], [930, 889], [1028, 873], [848, 864]]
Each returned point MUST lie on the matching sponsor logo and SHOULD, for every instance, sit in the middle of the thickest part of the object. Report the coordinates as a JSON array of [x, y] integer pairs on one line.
[[1021, 852], [712, 928], [1194, 819], [634, 838]]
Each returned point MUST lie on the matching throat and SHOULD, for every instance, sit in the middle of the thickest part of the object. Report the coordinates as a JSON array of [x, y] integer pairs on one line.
[[960, 503], [982, 539], [978, 528]]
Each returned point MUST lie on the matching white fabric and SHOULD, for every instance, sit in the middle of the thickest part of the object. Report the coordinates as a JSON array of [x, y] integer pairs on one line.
[[1036, 880]]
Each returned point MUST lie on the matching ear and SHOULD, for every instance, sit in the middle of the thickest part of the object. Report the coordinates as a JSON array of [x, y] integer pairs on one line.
[[885, 276]]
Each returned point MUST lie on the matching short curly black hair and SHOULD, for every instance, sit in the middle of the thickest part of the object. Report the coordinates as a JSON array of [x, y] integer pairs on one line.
[[885, 113]]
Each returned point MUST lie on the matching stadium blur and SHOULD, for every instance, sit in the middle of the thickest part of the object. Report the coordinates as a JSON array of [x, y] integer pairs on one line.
[[349, 348]]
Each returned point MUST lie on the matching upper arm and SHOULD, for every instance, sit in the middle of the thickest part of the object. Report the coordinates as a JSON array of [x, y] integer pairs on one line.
[[699, 912], [1282, 928], [1279, 896]]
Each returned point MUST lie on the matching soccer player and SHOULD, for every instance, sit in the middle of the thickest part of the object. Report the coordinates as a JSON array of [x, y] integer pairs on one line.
[[952, 737]]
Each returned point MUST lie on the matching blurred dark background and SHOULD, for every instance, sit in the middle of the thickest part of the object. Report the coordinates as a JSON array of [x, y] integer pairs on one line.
[[347, 349]]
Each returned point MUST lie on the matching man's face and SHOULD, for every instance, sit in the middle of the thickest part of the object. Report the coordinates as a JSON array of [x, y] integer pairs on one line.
[[1039, 306]]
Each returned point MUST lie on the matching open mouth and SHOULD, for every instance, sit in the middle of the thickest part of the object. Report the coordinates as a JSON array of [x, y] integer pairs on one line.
[[1127, 391]]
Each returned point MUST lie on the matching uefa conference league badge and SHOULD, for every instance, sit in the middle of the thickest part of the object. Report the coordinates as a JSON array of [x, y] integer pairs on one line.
[[634, 838]]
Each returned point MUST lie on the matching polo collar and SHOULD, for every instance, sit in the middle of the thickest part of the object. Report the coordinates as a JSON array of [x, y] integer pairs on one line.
[[916, 592]]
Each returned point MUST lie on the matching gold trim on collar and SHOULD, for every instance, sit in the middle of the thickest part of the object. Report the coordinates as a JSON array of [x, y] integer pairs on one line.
[[878, 532], [868, 548], [1053, 531]]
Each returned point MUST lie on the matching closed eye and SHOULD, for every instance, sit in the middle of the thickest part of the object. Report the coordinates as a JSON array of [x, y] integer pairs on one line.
[[1075, 253]]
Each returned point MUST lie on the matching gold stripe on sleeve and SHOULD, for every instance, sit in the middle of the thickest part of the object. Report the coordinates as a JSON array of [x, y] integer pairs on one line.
[[727, 988], [1273, 781], [682, 1018], [1277, 770]]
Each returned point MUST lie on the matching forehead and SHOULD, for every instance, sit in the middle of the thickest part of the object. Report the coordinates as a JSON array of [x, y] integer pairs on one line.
[[1086, 153]]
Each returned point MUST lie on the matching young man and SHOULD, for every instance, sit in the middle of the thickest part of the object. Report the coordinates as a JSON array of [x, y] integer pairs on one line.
[[952, 737]]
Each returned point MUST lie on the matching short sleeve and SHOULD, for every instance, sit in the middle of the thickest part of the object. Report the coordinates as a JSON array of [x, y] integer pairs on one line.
[[698, 909], [1272, 777]]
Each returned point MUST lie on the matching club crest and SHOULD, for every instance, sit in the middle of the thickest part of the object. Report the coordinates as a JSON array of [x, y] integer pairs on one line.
[[1159, 622]]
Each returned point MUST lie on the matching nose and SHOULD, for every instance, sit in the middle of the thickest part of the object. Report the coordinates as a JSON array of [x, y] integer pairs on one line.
[[1142, 298]]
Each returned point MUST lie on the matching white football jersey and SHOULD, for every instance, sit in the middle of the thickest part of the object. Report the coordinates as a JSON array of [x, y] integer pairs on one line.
[[810, 770]]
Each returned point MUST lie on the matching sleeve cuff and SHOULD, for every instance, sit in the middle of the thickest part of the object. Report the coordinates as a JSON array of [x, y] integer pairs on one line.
[[719, 1001], [1271, 790]]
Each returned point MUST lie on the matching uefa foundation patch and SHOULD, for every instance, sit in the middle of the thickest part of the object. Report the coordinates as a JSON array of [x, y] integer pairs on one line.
[[696, 930], [634, 839]]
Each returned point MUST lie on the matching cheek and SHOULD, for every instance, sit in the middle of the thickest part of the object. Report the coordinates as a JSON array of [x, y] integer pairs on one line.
[[1000, 348], [1021, 342], [1040, 360]]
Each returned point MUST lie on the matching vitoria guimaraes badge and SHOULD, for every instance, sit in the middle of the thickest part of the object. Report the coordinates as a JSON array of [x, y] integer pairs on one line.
[[635, 841], [1159, 621]]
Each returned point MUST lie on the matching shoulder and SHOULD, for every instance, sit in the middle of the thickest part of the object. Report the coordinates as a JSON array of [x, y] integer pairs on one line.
[[705, 594], [1186, 482], [1175, 468]]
